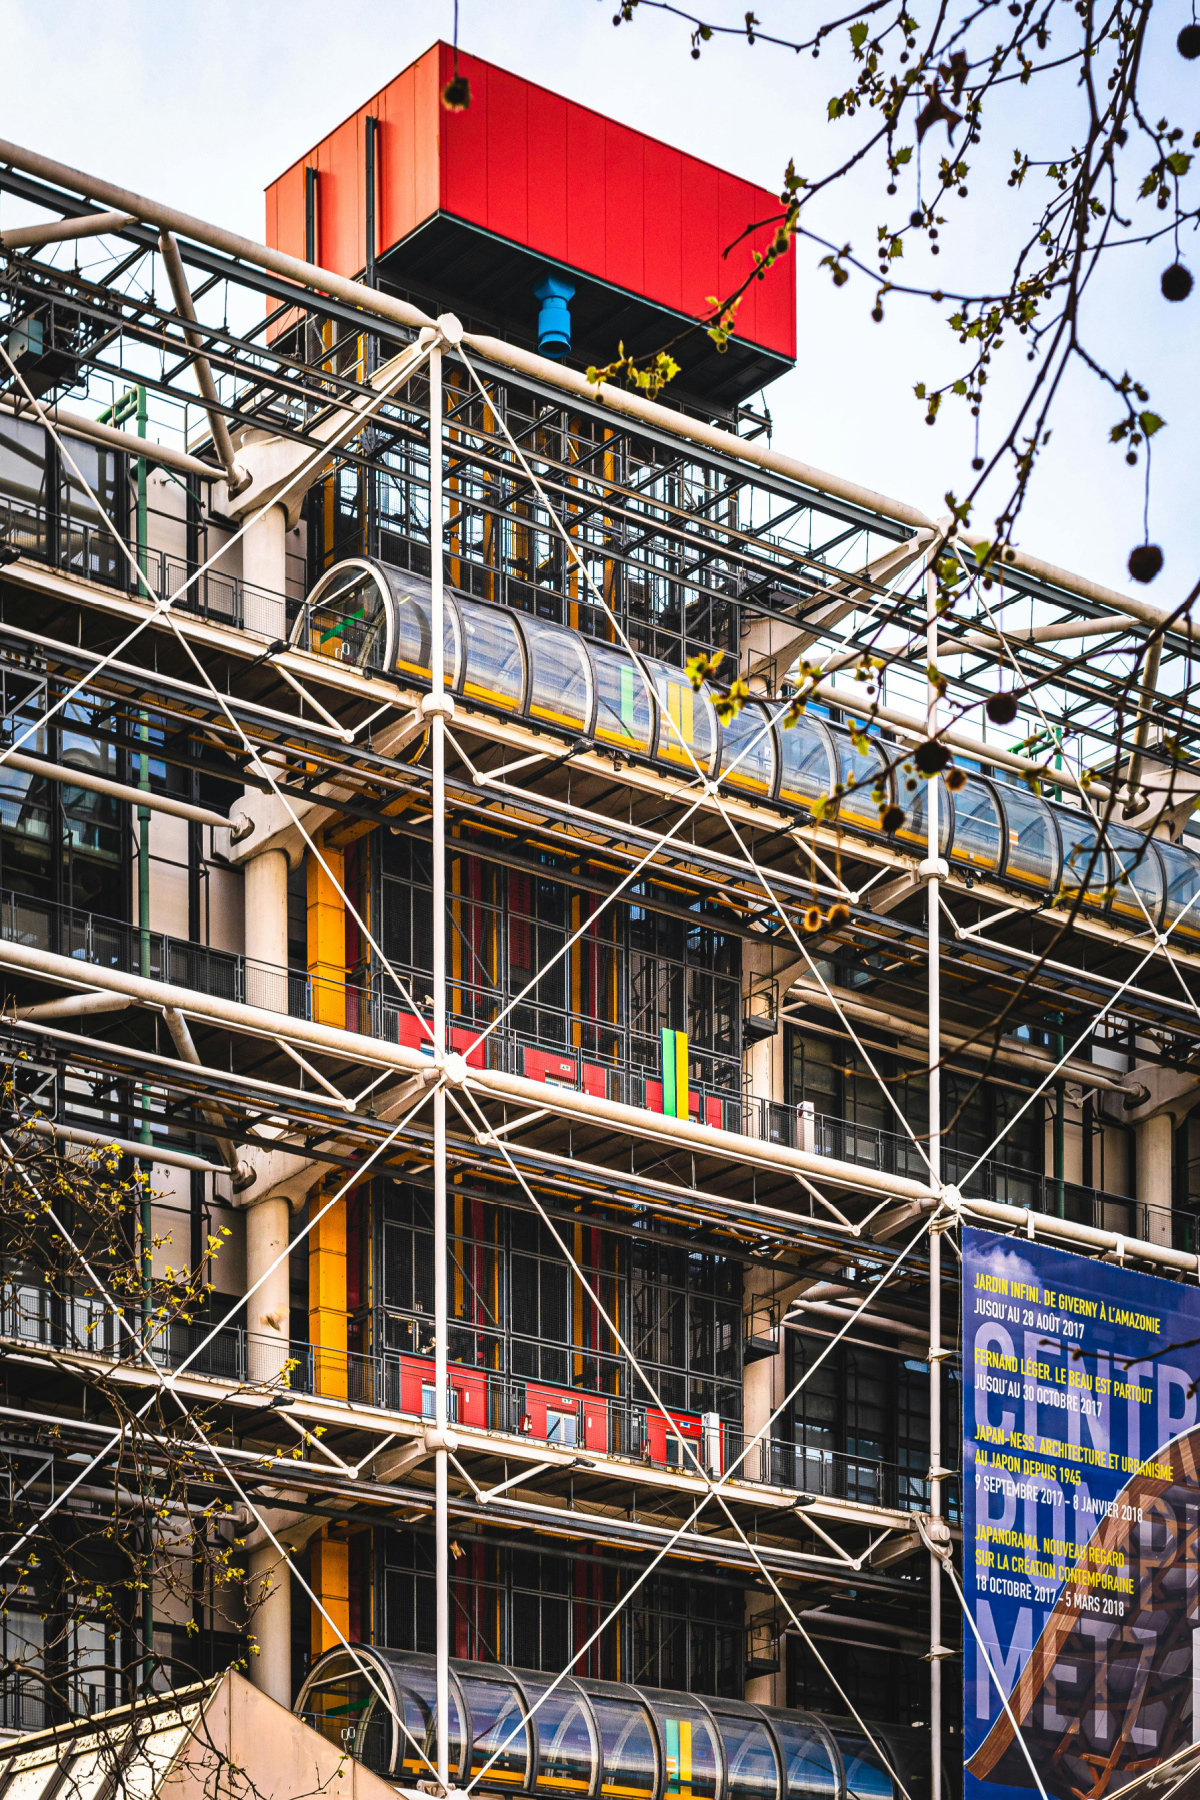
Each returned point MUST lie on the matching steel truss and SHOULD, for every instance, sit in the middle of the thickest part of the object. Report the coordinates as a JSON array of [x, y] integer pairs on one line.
[[665, 533]]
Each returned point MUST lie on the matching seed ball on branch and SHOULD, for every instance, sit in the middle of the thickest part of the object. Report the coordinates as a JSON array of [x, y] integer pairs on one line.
[[1176, 283], [811, 919], [956, 780], [1188, 42], [839, 915], [931, 757], [1145, 562], [1001, 709], [891, 819], [456, 95], [916, 217]]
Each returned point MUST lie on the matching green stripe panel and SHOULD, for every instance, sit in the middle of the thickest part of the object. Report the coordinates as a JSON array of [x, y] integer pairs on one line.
[[668, 1072], [627, 700]]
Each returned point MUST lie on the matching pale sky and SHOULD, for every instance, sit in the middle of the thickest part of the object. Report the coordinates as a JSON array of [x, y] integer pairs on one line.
[[201, 104]]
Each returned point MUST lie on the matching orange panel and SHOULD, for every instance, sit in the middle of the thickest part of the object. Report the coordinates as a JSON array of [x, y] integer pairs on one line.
[[329, 1578], [327, 935], [327, 1319]]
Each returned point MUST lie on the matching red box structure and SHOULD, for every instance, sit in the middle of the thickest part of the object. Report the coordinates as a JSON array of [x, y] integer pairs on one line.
[[471, 208]]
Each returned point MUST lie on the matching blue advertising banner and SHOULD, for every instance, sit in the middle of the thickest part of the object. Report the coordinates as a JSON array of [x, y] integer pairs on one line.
[[1080, 1503]]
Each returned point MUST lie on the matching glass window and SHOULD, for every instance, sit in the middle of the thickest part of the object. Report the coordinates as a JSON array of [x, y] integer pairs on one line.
[[623, 714], [859, 777], [750, 1757], [685, 718], [414, 634], [495, 665], [806, 760], [748, 751], [689, 1739], [1137, 874], [566, 1751], [808, 1757], [86, 543], [629, 1757], [1085, 861], [1183, 889], [559, 675], [977, 837], [499, 1731], [416, 1690], [915, 829], [1033, 849], [866, 1777]]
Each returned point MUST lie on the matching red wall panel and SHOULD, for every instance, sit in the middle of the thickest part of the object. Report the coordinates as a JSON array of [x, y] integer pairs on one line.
[[545, 173], [585, 192]]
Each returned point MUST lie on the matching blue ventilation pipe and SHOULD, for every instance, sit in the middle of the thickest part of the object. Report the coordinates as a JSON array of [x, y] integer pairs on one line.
[[554, 319]]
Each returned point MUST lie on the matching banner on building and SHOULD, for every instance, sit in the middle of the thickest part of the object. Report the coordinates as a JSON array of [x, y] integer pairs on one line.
[[1080, 1502]]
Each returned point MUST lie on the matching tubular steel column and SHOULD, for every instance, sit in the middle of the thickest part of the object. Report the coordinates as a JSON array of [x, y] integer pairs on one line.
[[935, 1239], [440, 1309]]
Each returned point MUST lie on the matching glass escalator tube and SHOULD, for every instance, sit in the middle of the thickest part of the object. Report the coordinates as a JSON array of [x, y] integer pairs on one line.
[[348, 615], [568, 1738], [859, 776], [1139, 882], [693, 1760], [560, 675], [685, 718], [1033, 851], [811, 1760], [495, 670], [624, 714], [1181, 914], [1086, 868], [629, 1752], [749, 760], [978, 839], [808, 767], [753, 1765]]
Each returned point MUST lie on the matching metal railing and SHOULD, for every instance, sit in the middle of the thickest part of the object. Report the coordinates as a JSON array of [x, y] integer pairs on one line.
[[43, 535], [1010, 1183], [601, 1424]]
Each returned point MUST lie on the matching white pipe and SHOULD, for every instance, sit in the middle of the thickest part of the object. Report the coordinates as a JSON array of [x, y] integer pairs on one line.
[[79, 425], [116, 790], [876, 1320], [441, 1316], [984, 639], [75, 1134], [1088, 1237], [909, 725], [71, 1006], [236, 478], [909, 1026], [61, 231], [630, 405], [181, 1037], [259, 256], [934, 971]]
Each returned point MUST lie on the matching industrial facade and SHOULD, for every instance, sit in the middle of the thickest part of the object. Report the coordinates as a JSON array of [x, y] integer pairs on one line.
[[546, 1040]]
